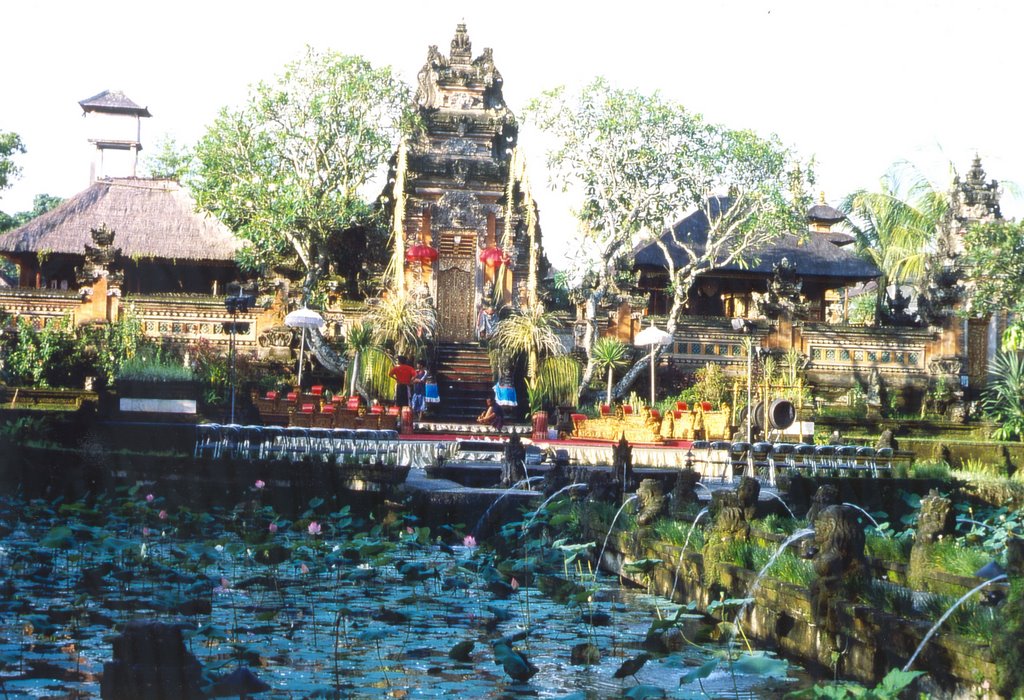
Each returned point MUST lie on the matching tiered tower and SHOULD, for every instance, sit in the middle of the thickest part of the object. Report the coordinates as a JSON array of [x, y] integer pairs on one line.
[[464, 215]]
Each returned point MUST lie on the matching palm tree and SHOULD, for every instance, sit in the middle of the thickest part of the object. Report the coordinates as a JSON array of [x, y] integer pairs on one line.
[[610, 354], [402, 322], [358, 340], [530, 332], [894, 227]]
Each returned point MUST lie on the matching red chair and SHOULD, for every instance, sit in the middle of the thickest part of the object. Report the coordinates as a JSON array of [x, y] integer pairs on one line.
[[681, 406], [627, 410], [307, 408], [292, 397], [705, 406], [271, 396], [353, 403], [677, 414], [317, 390], [376, 409], [394, 410], [606, 410], [329, 408], [338, 399], [655, 414]]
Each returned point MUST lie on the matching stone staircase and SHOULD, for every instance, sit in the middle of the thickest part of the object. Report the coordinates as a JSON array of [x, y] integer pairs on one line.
[[464, 381]]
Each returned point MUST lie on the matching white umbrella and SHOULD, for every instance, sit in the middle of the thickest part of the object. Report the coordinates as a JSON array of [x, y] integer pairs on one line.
[[653, 336], [303, 318]]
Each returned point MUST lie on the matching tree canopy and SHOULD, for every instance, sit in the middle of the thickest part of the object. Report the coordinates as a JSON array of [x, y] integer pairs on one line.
[[10, 146], [635, 163], [994, 259], [287, 169]]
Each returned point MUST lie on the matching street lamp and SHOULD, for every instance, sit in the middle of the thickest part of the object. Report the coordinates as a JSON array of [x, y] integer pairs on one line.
[[653, 336], [236, 304], [746, 327]]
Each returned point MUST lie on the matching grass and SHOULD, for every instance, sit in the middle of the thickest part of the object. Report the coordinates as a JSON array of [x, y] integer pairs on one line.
[[887, 548], [969, 620], [777, 524], [787, 567], [931, 470], [675, 532], [953, 558], [890, 598]]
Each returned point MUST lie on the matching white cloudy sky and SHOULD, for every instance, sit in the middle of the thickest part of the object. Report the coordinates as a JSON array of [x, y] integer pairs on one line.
[[857, 84]]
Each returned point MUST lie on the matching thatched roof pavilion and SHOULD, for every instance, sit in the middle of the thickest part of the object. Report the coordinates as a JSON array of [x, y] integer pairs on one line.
[[165, 244]]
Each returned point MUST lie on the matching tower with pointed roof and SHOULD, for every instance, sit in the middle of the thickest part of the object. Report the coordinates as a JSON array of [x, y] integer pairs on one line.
[[115, 126], [459, 190]]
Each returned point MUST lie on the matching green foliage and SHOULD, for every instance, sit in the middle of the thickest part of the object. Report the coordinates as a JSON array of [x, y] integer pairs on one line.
[[169, 160], [610, 354], [41, 357], [994, 253], [152, 367], [1008, 643], [787, 567], [286, 170], [676, 531], [862, 310], [710, 384], [891, 687], [117, 343], [638, 162], [402, 323], [895, 225], [898, 600], [358, 340], [1003, 399], [10, 146], [374, 374], [953, 557], [556, 383], [887, 548], [931, 469]]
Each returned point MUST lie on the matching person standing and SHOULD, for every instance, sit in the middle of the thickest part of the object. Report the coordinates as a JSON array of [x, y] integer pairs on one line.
[[403, 375], [419, 390]]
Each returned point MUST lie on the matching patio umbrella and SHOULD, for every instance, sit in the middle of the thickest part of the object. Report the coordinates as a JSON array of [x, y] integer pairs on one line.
[[653, 336], [303, 318]]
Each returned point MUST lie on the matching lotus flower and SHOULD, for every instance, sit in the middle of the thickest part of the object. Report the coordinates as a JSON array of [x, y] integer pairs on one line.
[[260, 483], [314, 528], [469, 541], [162, 515], [272, 527], [149, 498], [304, 569]]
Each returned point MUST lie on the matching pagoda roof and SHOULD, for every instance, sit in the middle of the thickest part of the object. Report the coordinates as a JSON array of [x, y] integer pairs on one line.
[[815, 255], [150, 218], [113, 102]]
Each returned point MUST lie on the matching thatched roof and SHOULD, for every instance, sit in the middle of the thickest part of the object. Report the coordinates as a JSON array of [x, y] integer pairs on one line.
[[815, 255], [149, 218]]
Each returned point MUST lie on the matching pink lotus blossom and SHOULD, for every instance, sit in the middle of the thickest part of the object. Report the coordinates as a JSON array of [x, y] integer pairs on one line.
[[145, 532], [260, 483], [272, 527], [469, 541], [163, 515], [304, 569], [149, 498], [314, 528], [514, 584], [408, 530]]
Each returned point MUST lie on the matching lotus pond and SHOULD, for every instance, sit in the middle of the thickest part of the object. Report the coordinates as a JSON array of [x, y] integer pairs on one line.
[[340, 604]]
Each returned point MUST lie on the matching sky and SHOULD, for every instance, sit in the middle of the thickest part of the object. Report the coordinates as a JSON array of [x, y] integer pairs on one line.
[[856, 85]]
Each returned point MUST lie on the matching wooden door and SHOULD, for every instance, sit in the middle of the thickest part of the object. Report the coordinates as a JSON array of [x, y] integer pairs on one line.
[[456, 299]]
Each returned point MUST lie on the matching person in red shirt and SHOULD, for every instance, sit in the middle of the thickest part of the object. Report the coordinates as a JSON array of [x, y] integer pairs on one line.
[[403, 374]]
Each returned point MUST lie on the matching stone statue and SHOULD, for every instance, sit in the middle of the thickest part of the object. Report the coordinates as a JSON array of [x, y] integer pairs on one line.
[[652, 501], [685, 490], [936, 518], [826, 495], [747, 492], [886, 439], [513, 463], [557, 477], [622, 464], [838, 561]]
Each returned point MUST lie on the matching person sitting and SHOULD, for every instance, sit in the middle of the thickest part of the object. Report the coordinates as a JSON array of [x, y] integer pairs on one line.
[[493, 415]]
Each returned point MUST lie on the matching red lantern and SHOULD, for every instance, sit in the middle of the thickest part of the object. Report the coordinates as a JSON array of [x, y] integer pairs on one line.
[[421, 253], [493, 257]]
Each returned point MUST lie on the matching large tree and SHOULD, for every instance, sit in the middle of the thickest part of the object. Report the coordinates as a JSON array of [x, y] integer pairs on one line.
[[635, 163], [288, 169], [10, 146], [994, 260], [895, 226]]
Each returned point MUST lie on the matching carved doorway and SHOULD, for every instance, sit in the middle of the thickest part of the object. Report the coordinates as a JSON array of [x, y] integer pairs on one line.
[[977, 355], [456, 299]]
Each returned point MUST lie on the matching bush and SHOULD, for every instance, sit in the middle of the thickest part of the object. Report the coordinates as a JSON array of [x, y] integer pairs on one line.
[[153, 368]]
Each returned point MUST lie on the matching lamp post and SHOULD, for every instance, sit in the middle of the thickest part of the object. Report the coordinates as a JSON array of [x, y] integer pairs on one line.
[[653, 336], [236, 304], [746, 327]]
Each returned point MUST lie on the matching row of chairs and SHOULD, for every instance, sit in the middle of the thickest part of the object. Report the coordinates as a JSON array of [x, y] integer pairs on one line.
[[769, 459], [249, 442]]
